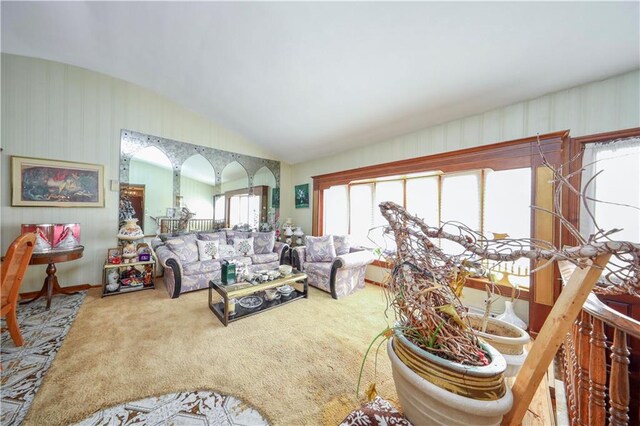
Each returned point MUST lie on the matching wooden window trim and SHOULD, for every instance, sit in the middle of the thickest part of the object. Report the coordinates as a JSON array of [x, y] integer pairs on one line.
[[499, 156]]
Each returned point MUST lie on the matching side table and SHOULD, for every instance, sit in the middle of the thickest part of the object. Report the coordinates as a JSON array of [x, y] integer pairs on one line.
[[51, 285]]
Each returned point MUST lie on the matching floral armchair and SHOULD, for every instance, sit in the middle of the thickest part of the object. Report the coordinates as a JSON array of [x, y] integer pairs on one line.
[[332, 265]]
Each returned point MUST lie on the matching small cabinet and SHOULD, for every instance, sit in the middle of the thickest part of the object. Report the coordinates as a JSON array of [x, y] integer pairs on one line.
[[127, 277]]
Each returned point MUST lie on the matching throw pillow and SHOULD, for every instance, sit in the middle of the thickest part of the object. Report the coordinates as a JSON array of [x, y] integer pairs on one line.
[[212, 236], [243, 246], [342, 244], [227, 251], [185, 248], [208, 250], [263, 242], [232, 235], [320, 249]]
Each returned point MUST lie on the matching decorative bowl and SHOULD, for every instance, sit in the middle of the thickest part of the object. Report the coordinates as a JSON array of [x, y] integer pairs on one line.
[[285, 269], [271, 294], [286, 290]]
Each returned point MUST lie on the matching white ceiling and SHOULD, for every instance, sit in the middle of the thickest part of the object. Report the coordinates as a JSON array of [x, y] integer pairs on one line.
[[307, 80]]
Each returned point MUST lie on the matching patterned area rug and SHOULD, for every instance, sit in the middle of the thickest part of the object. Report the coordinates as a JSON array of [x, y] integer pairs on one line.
[[23, 368], [185, 408]]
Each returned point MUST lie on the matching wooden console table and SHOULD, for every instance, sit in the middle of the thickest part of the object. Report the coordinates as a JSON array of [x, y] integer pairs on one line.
[[51, 286]]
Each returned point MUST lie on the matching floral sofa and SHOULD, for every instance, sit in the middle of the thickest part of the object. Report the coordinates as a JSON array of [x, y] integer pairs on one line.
[[332, 265], [191, 260]]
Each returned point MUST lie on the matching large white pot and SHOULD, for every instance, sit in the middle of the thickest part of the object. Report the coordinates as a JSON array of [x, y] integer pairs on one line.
[[510, 341], [427, 404]]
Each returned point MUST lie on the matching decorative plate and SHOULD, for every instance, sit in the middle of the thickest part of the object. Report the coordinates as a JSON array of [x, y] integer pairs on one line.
[[251, 302]]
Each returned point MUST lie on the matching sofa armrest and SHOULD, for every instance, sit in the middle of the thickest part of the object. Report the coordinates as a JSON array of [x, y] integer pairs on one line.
[[298, 257], [281, 250], [164, 255], [354, 259]]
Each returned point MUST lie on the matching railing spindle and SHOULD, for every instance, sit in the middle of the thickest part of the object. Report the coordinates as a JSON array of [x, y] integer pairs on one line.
[[619, 385], [597, 374], [583, 372]]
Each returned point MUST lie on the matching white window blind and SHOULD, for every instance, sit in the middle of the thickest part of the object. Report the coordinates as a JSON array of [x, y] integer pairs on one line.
[[336, 210], [507, 210], [423, 198], [618, 183], [460, 203], [361, 213]]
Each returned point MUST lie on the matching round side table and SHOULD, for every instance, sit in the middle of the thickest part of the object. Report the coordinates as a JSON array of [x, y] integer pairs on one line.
[[51, 286]]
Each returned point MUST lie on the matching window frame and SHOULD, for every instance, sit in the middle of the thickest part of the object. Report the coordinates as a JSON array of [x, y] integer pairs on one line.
[[514, 154]]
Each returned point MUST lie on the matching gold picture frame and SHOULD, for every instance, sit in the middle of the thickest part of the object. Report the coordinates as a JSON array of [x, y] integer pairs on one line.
[[37, 182]]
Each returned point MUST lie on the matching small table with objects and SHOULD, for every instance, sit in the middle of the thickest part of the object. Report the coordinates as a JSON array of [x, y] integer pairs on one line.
[[51, 285], [245, 298]]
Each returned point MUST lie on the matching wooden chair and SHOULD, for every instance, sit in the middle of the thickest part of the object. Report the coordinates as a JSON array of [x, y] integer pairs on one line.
[[14, 267]]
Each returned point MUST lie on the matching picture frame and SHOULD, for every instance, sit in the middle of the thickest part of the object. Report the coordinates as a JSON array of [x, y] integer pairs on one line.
[[301, 196], [37, 182], [113, 254]]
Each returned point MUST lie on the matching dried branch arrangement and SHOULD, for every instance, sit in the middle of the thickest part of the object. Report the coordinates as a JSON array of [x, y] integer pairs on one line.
[[425, 283]]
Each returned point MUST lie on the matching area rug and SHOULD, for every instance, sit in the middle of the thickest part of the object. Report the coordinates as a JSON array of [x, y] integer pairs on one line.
[[297, 364], [24, 367], [184, 408]]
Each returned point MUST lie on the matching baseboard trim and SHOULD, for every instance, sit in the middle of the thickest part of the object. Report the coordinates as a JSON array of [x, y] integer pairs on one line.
[[32, 294], [368, 281]]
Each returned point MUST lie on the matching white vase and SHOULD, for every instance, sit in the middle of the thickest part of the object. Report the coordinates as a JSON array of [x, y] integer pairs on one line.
[[425, 403], [509, 315], [510, 341]]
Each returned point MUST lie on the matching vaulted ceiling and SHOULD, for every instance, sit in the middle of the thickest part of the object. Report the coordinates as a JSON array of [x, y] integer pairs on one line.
[[311, 79]]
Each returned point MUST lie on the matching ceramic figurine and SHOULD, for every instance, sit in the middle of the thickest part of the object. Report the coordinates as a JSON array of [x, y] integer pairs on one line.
[[112, 280]]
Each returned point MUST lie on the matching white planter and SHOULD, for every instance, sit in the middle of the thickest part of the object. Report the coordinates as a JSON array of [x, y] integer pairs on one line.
[[511, 345], [427, 404]]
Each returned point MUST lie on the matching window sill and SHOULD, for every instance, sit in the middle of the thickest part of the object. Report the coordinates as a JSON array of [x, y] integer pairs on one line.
[[476, 284]]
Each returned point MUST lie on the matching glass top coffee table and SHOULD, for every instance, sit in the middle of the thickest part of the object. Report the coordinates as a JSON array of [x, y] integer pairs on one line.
[[244, 299]]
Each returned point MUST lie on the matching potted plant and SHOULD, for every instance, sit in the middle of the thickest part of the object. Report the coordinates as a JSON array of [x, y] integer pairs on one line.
[[443, 372]]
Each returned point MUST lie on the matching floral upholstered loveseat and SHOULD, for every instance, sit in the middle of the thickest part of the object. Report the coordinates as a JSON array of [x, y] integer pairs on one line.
[[332, 265], [190, 261]]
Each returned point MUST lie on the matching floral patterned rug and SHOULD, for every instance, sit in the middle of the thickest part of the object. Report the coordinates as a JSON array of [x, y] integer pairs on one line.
[[185, 408], [24, 367]]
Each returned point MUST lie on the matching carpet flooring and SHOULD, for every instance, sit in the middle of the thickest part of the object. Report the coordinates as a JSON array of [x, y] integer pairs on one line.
[[24, 367], [297, 364]]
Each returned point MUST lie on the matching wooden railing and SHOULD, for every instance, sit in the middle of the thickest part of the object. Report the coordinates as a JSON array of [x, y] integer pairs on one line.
[[602, 380], [195, 225]]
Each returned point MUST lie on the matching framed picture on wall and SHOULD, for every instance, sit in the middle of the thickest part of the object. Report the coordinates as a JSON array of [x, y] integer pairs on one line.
[[302, 196], [51, 183], [275, 198]]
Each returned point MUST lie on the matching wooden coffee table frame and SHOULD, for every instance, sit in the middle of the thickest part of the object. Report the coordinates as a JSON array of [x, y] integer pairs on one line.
[[239, 290]]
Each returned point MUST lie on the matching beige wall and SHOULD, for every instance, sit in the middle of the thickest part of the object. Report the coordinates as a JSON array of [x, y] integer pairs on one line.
[[56, 111], [591, 108]]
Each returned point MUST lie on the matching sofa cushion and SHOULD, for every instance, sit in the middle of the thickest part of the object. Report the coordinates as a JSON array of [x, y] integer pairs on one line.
[[208, 249], [232, 235], [227, 251], [243, 246], [342, 244], [213, 236], [263, 242], [264, 258], [320, 249], [202, 267], [184, 247]]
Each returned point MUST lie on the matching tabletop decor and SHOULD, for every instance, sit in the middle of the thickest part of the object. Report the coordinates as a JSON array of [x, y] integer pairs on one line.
[[52, 183], [54, 236]]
